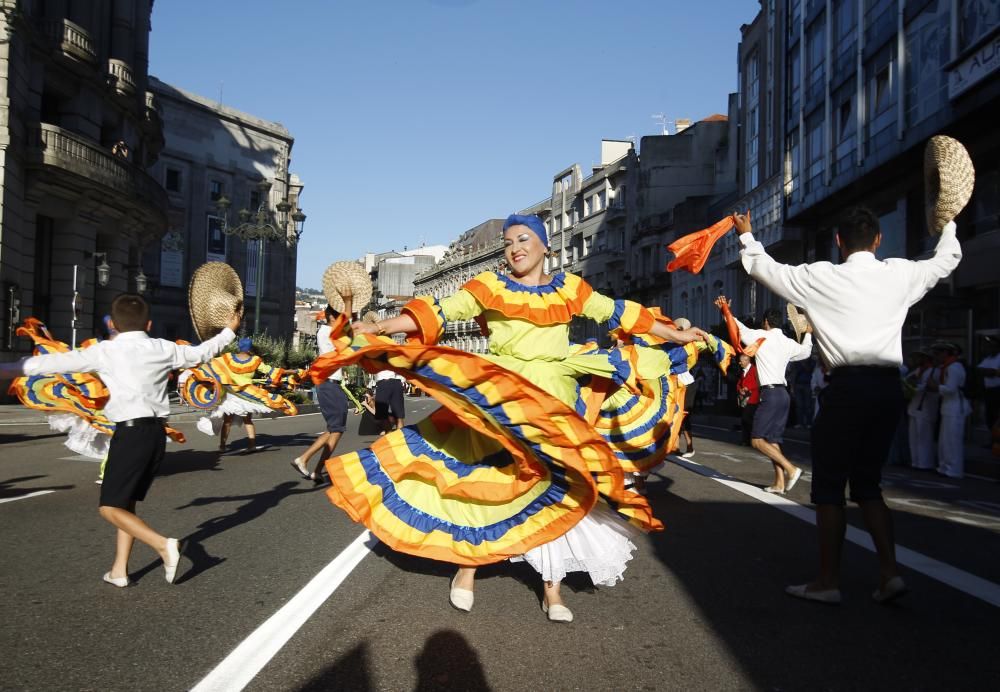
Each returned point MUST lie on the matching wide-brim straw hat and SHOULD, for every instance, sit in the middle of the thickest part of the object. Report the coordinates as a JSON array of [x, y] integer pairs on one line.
[[949, 178], [214, 294], [370, 316], [798, 320], [341, 275]]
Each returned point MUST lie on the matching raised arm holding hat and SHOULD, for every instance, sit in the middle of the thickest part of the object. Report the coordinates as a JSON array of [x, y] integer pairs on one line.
[[857, 309]]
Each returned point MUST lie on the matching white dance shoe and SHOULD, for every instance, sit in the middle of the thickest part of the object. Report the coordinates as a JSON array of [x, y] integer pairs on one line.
[[173, 559], [557, 612], [462, 599]]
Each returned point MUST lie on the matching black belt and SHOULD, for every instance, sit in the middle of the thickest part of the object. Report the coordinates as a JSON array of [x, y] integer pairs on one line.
[[773, 386], [141, 421], [883, 370]]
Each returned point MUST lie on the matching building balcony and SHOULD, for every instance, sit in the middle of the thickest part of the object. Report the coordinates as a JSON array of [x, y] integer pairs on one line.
[[120, 77], [71, 39], [86, 164]]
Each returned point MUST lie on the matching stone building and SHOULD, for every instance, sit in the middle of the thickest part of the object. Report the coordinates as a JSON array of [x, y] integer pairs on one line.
[[858, 88], [79, 129], [477, 250], [213, 152]]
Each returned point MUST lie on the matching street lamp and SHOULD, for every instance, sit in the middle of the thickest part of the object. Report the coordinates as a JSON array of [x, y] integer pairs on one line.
[[141, 282], [262, 225]]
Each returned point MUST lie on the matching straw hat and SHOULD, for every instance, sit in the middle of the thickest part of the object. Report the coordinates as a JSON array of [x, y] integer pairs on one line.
[[682, 323], [370, 316], [215, 292], [948, 180], [341, 275], [799, 321]]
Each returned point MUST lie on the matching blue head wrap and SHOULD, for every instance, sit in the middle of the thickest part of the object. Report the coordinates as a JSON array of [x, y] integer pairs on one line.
[[531, 221], [244, 345]]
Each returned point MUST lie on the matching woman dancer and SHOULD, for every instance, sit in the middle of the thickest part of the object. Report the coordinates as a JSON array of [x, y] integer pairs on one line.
[[226, 383], [509, 466]]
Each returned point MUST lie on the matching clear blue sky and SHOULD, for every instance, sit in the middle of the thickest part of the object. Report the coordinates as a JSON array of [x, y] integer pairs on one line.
[[418, 119]]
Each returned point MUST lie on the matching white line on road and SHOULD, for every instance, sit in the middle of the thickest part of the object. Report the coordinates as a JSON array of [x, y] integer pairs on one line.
[[26, 496], [250, 657], [952, 576]]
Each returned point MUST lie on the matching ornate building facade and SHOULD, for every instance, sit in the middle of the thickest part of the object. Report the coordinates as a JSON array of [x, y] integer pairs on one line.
[[79, 129]]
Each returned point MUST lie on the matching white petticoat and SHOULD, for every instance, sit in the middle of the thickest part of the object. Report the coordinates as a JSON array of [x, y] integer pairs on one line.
[[81, 437], [600, 544], [232, 404]]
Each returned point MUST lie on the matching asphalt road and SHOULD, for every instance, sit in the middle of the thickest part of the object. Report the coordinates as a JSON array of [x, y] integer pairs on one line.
[[278, 592]]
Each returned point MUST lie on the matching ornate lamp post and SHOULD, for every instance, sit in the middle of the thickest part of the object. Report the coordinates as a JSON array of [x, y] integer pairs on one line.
[[263, 225]]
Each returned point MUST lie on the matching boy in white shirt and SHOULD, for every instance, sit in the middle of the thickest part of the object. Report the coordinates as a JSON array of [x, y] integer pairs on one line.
[[135, 369]]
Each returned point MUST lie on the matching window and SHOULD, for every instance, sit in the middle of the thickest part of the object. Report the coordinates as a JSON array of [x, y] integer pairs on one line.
[[816, 57], [814, 153], [559, 224], [976, 19], [216, 190], [587, 244], [173, 180], [792, 167], [215, 242], [927, 50], [601, 200], [880, 95], [845, 131], [794, 84], [255, 198], [586, 206]]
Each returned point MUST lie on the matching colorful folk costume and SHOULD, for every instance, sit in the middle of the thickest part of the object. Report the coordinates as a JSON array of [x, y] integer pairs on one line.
[[74, 402], [643, 427], [226, 384], [510, 465]]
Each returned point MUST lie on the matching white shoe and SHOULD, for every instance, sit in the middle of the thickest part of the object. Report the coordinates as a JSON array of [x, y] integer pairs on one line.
[[120, 582], [773, 490], [204, 425], [557, 612], [173, 559], [688, 454], [462, 599], [793, 479]]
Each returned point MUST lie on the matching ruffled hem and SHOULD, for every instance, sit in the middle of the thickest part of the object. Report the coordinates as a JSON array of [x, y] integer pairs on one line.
[[600, 545], [82, 437], [239, 406]]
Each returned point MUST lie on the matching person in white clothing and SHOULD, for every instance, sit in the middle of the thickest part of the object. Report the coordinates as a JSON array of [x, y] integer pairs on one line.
[[923, 411], [954, 409], [773, 356], [332, 400], [857, 309], [135, 368]]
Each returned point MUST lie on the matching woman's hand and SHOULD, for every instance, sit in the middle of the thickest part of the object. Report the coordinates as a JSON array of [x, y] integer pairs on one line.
[[742, 222], [364, 328], [723, 302]]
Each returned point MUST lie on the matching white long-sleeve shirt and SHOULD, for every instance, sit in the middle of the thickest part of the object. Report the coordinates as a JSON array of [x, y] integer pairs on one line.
[[324, 344], [134, 367], [857, 308], [953, 402], [775, 353]]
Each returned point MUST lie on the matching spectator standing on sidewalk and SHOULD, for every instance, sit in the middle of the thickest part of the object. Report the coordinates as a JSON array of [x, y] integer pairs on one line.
[[954, 410], [857, 309], [923, 410], [771, 417], [748, 397]]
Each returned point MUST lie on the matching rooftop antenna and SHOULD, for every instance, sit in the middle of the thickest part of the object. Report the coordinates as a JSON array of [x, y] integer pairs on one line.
[[220, 92], [661, 120]]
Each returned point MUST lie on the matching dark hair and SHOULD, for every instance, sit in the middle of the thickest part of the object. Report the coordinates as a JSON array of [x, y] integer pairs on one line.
[[858, 229], [773, 318], [331, 313], [130, 313]]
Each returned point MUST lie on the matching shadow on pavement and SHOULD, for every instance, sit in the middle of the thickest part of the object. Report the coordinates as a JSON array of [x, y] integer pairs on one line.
[[11, 438], [733, 559], [349, 672], [448, 662], [8, 488]]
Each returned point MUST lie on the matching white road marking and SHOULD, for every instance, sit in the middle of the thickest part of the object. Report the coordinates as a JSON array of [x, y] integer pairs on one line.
[[80, 457], [952, 576], [250, 657], [22, 424], [26, 496]]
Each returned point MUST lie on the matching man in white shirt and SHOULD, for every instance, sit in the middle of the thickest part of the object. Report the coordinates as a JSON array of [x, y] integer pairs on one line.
[[331, 397], [857, 309], [773, 356], [135, 369], [923, 410], [389, 402]]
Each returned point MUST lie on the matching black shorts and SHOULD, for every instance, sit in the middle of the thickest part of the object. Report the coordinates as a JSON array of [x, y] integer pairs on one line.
[[859, 412], [133, 460], [333, 405], [389, 399], [772, 415]]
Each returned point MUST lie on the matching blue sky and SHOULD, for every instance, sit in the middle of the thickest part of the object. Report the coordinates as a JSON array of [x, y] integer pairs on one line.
[[418, 119]]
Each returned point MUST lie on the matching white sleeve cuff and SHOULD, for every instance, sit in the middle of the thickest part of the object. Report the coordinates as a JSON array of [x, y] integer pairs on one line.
[[949, 228], [746, 238]]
